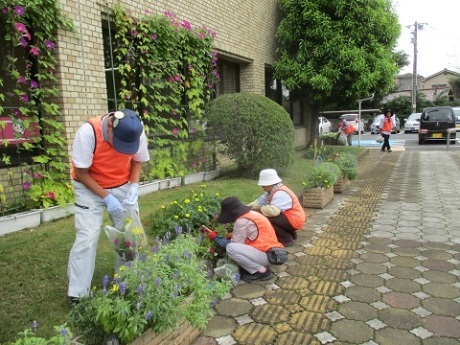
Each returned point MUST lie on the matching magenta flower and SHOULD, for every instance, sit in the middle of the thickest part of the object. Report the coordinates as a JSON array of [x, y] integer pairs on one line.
[[23, 42], [21, 80], [20, 27], [5, 10], [116, 241], [186, 25], [177, 77], [154, 37], [171, 79], [128, 243], [34, 51], [37, 175], [26, 185], [51, 196], [17, 112], [25, 98], [175, 131], [19, 10], [33, 84], [134, 33], [49, 44]]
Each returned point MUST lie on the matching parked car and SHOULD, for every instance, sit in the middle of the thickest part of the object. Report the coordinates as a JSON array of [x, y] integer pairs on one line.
[[437, 123], [412, 123], [354, 120], [457, 117], [324, 125], [375, 126]]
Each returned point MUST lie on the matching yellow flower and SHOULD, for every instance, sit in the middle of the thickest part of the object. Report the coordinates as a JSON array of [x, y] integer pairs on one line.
[[127, 220], [163, 207], [114, 288], [122, 268], [197, 199], [136, 231], [200, 210], [187, 215], [175, 202], [326, 181], [203, 186], [187, 201], [176, 216], [217, 194], [201, 194], [116, 275]]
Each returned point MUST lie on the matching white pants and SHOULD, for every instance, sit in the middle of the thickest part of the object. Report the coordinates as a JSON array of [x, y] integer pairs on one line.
[[248, 257], [89, 211]]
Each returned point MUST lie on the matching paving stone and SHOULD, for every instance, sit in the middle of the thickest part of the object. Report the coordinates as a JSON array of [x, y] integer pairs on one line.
[[361, 331], [314, 322], [439, 265], [401, 300], [234, 307], [371, 268], [440, 277], [392, 336], [442, 306], [443, 325], [436, 245], [403, 285], [374, 257], [437, 254], [407, 243], [441, 290], [378, 248], [271, 314], [404, 261], [368, 280], [405, 251], [400, 318], [435, 340], [294, 337], [283, 297], [219, 326], [363, 294], [255, 333], [404, 272], [358, 311], [249, 291]]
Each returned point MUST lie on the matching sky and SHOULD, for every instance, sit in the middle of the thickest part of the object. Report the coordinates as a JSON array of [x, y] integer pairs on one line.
[[438, 43]]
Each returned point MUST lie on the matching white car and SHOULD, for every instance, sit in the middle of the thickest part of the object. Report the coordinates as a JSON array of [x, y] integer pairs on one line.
[[324, 125], [412, 123]]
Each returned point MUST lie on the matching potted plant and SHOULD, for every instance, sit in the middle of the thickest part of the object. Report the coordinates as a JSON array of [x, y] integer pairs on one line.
[[348, 166], [319, 184]]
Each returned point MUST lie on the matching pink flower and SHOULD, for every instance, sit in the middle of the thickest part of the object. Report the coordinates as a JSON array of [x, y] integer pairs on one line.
[[26, 185], [175, 131], [154, 37], [171, 79], [37, 175], [51, 196], [25, 98], [17, 112], [23, 42], [128, 243], [33, 84], [21, 80], [34, 51], [212, 250], [20, 27], [116, 241], [134, 33], [186, 25], [5, 10], [19, 10], [49, 44], [177, 77]]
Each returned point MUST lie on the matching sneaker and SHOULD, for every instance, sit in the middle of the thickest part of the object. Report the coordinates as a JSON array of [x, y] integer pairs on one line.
[[288, 244], [257, 276], [390, 150], [74, 300]]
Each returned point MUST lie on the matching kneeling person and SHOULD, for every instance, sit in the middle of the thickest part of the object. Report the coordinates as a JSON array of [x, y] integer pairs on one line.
[[253, 236]]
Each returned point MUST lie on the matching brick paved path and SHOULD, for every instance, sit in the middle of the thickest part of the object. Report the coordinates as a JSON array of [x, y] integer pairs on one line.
[[380, 265]]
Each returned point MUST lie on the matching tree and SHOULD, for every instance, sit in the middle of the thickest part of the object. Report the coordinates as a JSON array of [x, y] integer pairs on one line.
[[337, 51]]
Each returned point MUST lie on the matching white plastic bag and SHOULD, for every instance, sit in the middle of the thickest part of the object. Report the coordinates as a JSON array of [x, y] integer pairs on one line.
[[342, 139], [128, 236], [379, 138], [227, 269]]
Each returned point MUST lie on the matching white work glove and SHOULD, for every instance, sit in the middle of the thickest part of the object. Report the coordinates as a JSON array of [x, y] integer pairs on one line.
[[255, 205], [270, 211], [132, 195], [114, 207]]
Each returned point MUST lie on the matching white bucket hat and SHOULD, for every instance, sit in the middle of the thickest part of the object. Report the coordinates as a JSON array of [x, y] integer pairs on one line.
[[268, 177]]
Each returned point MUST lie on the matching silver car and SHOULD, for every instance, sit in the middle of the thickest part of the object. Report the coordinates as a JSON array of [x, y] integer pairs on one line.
[[412, 123]]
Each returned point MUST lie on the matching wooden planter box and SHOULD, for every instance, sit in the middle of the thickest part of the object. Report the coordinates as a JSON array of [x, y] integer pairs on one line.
[[317, 197], [341, 185]]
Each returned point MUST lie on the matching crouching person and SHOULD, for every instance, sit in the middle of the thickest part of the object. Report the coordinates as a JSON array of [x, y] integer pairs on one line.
[[253, 236]]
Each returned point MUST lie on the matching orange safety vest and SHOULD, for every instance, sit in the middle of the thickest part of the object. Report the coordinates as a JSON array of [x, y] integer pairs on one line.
[[266, 238], [387, 124], [296, 215], [110, 168], [347, 128]]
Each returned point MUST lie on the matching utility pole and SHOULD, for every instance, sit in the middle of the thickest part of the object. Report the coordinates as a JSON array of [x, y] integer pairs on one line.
[[417, 26]]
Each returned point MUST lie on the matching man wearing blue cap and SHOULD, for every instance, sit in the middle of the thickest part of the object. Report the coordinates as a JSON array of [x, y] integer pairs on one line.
[[107, 157]]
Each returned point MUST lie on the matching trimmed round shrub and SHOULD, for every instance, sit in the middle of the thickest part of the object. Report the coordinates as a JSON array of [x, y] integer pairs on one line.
[[256, 132]]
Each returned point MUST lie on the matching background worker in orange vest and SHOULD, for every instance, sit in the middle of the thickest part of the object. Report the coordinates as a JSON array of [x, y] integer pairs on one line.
[[386, 126], [253, 236], [348, 129], [107, 157], [281, 206]]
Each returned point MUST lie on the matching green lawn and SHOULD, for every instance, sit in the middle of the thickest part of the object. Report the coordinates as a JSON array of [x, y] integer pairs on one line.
[[33, 263]]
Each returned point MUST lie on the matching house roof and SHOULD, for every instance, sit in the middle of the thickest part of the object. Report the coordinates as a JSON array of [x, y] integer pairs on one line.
[[445, 70]]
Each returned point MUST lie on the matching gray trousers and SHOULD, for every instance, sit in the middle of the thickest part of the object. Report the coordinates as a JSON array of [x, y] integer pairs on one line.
[[248, 257]]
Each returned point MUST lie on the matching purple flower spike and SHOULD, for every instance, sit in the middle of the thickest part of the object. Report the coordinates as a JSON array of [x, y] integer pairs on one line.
[[122, 288], [149, 315], [34, 326], [105, 281]]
